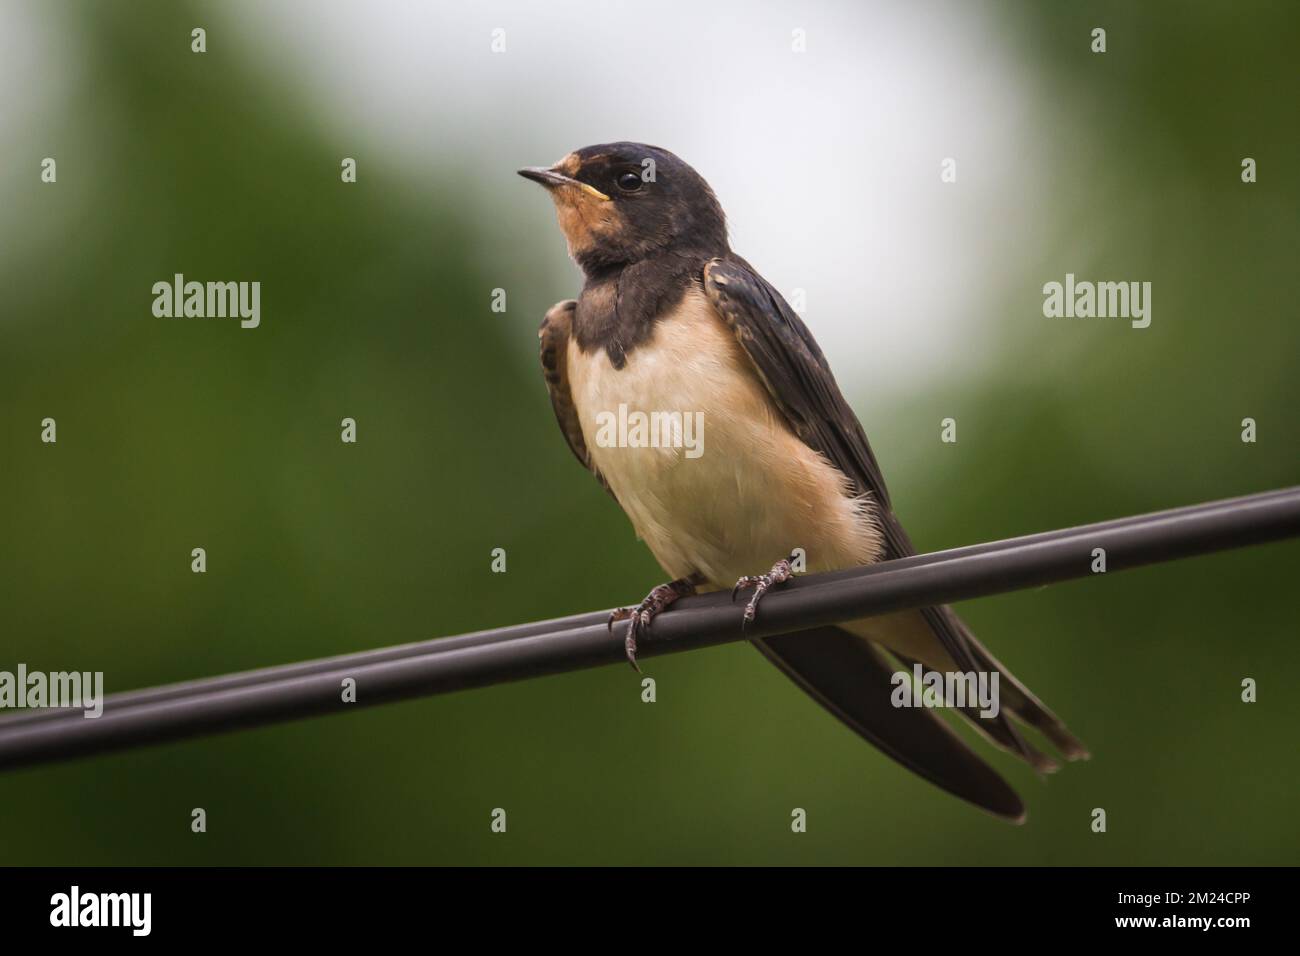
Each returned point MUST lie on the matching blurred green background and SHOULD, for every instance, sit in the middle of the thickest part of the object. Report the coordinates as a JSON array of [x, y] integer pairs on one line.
[[175, 434]]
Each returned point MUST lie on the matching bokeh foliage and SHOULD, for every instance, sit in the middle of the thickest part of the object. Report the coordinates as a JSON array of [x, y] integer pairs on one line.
[[175, 434]]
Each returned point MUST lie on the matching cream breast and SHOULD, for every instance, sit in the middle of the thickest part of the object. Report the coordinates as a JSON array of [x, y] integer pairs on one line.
[[749, 492]]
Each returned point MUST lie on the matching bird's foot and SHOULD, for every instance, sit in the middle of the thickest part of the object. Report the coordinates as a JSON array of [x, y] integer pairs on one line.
[[638, 617], [781, 572]]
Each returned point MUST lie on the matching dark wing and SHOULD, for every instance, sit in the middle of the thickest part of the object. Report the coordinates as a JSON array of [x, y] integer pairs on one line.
[[553, 349], [853, 680], [799, 380], [794, 370]]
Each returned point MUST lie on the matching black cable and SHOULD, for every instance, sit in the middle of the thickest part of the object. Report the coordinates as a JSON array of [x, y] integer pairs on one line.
[[476, 638], [473, 660]]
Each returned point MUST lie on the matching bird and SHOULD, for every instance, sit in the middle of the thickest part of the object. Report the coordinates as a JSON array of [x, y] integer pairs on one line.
[[671, 321]]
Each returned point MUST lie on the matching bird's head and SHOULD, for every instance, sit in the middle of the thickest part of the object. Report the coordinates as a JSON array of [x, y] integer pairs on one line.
[[620, 203]]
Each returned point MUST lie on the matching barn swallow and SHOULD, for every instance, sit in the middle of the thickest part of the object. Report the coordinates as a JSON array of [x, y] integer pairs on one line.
[[670, 319]]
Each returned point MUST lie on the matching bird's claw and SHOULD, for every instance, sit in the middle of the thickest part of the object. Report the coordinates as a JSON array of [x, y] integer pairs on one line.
[[633, 615], [618, 614], [638, 617], [781, 572]]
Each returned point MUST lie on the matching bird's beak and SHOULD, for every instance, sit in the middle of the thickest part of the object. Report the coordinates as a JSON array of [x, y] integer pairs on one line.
[[551, 178]]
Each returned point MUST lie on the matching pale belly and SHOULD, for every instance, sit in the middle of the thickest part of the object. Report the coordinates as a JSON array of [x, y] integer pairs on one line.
[[747, 492]]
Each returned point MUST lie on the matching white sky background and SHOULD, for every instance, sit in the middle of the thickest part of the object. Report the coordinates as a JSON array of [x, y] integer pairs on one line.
[[827, 162]]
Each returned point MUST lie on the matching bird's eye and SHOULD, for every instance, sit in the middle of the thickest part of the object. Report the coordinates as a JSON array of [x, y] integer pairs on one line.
[[629, 182]]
